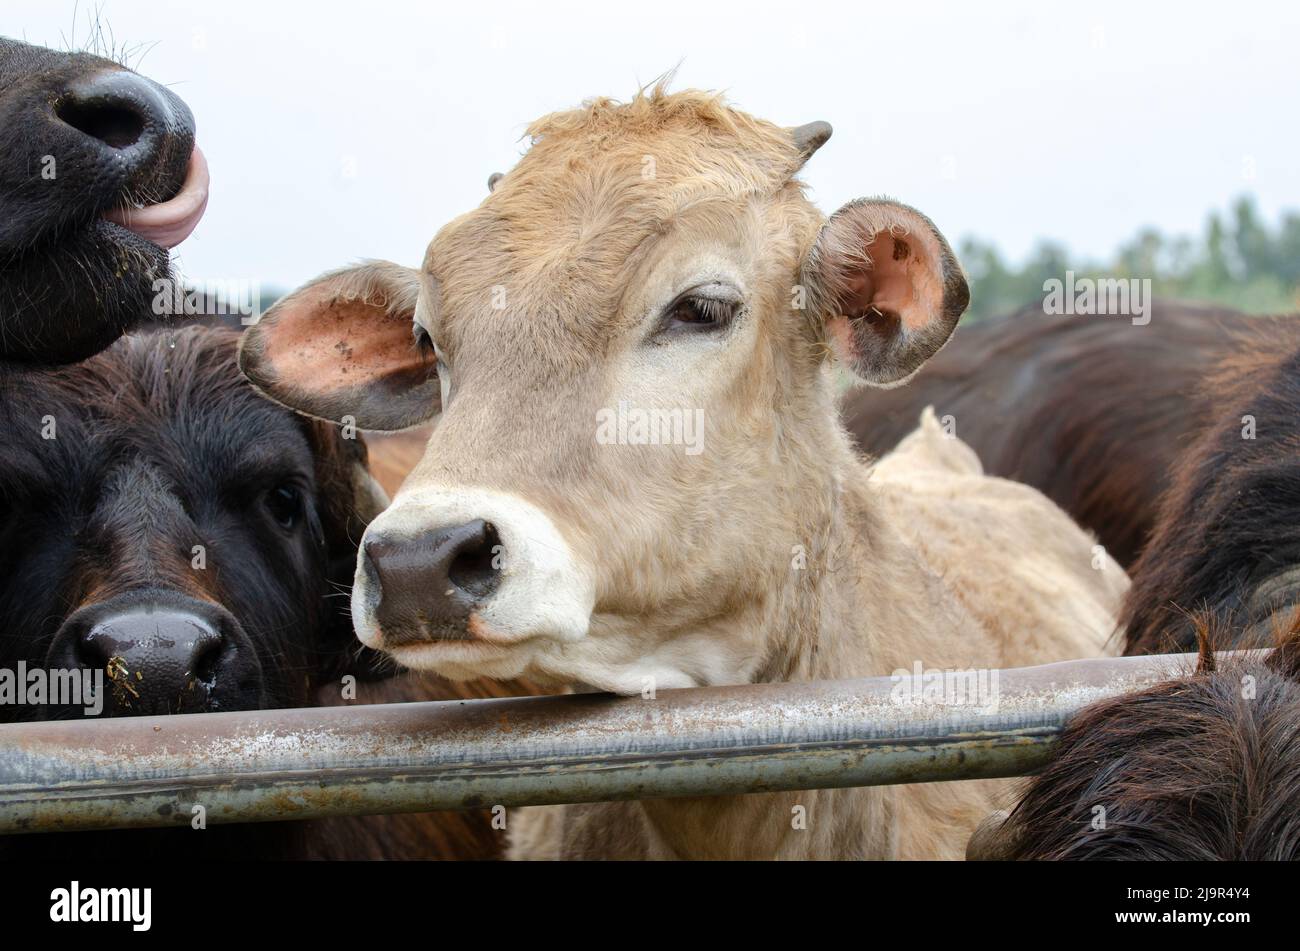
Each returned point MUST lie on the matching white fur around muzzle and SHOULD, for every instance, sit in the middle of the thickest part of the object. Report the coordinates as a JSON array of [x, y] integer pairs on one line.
[[544, 593]]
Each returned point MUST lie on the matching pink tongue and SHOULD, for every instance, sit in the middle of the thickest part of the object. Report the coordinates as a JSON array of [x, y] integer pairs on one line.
[[170, 223]]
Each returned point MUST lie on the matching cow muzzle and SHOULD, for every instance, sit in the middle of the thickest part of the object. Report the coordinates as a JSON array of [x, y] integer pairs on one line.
[[161, 653], [446, 571]]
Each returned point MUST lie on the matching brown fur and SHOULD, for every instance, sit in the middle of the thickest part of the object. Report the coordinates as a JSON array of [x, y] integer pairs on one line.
[[394, 455], [1205, 767], [1227, 537]]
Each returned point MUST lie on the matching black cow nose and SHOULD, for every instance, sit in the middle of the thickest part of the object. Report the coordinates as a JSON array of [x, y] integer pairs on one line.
[[161, 652], [119, 109], [157, 661], [428, 584]]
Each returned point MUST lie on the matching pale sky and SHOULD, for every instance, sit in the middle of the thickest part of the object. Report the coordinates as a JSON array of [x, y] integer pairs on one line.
[[345, 130]]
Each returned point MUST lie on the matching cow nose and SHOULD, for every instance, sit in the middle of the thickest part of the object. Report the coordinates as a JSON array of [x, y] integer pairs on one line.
[[161, 653], [120, 110], [428, 584], [158, 662]]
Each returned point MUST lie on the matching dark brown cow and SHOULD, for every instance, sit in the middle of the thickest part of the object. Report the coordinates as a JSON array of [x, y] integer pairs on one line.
[[148, 497], [1227, 539], [111, 473], [1204, 767], [1092, 411]]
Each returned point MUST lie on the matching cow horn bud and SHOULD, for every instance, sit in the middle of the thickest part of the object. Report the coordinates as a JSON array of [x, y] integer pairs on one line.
[[810, 137]]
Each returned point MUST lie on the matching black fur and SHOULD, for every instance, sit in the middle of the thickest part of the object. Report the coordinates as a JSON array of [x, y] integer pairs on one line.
[[71, 282], [160, 445], [1206, 766]]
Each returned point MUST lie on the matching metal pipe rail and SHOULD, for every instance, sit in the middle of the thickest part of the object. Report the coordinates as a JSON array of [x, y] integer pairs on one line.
[[359, 760]]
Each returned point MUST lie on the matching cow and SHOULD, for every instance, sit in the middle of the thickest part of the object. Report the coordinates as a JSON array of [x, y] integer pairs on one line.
[[1203, 767], [638, 480], [161, 516], [99, 176], [1227, 537], [1195, 412], [1091, 411], [394, 455], [163, 525]]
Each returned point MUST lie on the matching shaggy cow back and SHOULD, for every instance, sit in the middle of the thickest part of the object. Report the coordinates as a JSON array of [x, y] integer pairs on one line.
[[1205, 768]]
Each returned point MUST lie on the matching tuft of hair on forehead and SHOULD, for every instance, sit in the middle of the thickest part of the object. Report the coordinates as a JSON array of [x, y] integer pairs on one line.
[[674, 127]]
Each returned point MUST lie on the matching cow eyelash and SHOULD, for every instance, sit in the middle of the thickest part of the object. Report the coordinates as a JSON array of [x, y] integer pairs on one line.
[[696, 312]]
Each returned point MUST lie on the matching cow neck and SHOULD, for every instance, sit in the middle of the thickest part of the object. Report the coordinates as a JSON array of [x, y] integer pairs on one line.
[[820, 619]]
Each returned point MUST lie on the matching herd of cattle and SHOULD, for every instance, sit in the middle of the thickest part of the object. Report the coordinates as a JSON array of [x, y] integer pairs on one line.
[[188, 506]]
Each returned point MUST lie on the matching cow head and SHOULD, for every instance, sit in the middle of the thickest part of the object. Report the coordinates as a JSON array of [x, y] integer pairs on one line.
[[161, 522], [99, 176], [627, 346]]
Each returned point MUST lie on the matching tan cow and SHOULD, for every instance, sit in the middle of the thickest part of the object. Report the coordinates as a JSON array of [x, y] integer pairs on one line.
[[639, 481]]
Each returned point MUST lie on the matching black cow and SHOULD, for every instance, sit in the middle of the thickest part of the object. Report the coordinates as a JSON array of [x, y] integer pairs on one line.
[[99, 176], [1206, 766], [1227, 537], [163, 522]]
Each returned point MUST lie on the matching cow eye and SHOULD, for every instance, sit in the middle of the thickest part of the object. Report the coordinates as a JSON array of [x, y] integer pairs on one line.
[[427, 349], [701, 311], [422, 340], [284, 502]]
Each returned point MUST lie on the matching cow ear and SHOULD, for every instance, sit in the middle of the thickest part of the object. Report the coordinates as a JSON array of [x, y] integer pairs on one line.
[[994, 839], [341, 348], [888, 287]]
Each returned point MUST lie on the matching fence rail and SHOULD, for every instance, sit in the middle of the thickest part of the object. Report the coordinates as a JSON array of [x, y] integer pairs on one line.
[[416, 757]]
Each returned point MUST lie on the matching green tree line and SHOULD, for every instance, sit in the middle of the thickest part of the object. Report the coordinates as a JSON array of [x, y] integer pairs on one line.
[[1238, 261]]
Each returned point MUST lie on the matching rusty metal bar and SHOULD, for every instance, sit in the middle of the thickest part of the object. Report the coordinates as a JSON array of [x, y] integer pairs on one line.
[[301, 764]]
